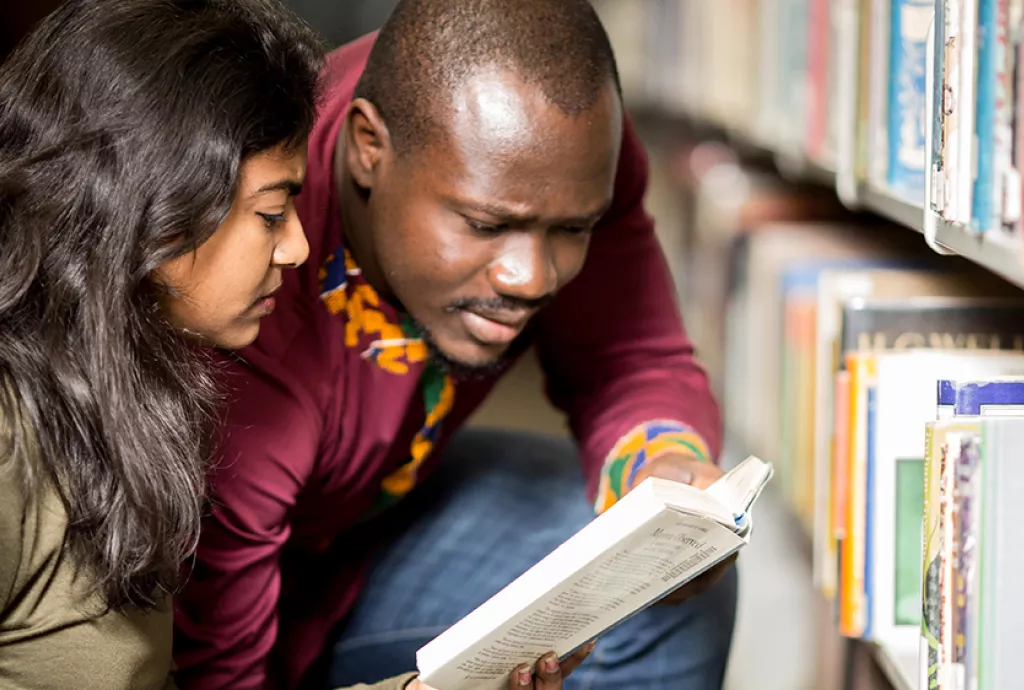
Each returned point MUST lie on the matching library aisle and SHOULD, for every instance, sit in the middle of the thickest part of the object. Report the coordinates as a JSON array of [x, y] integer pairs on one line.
[[838, 188]]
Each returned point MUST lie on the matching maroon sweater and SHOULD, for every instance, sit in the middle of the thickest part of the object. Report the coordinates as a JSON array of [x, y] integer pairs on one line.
[[315, 426]]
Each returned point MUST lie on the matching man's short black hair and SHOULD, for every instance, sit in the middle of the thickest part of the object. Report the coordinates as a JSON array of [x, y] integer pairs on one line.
[[427, 48]]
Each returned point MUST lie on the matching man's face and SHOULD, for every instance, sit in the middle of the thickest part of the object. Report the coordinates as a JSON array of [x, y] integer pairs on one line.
[[477, 230]]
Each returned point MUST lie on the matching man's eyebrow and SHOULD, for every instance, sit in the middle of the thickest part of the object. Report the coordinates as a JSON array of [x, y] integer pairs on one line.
[[514, 216], [293, 187]]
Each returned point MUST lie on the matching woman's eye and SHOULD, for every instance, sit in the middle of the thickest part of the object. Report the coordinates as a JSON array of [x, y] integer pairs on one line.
[[272, 220]]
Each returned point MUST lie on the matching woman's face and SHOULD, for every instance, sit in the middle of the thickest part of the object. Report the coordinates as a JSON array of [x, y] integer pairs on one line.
[[225, 287]]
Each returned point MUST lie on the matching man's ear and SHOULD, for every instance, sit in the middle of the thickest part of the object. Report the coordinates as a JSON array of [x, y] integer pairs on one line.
[[367, 140]]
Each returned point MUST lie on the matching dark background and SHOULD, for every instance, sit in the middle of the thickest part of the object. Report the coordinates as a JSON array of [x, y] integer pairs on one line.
[[338, 21]]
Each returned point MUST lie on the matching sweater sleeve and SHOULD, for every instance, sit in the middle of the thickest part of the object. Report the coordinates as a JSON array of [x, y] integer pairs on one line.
[[615, 353]]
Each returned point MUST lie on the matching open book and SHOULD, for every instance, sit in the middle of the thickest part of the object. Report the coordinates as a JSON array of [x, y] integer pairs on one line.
[[658, 537]]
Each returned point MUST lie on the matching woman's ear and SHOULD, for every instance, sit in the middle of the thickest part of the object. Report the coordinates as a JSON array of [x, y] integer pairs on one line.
[[367, 140]]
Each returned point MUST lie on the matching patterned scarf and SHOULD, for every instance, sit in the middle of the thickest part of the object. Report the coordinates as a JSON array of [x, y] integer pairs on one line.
[[343, 290]]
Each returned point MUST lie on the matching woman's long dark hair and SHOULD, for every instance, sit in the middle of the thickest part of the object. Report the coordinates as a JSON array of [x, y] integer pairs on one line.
[[123, 126]]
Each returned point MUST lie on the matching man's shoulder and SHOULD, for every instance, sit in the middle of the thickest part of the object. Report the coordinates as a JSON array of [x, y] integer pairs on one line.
[[346, 63]]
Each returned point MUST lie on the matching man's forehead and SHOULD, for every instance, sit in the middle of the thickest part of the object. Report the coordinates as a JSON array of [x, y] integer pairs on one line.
[[496, 111]]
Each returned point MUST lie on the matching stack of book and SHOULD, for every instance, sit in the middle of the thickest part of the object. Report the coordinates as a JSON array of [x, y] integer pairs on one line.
[[837, 343]]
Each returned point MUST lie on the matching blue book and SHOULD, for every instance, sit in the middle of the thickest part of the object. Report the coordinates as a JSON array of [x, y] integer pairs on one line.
[[982, 212], [911, 20], [972, 398]]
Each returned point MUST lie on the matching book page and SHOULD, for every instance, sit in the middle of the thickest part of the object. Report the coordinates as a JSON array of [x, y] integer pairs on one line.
[[741, 486], [667, 551]]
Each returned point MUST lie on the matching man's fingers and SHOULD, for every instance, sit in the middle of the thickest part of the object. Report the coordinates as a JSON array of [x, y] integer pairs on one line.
[[573, 661], [549, 673], [521, 678]]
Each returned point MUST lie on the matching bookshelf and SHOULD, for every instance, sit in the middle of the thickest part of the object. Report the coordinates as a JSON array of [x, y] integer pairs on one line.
[[762, 130], [841, 95]]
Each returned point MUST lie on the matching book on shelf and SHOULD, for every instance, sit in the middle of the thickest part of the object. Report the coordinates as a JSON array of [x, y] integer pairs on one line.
[[901, 403], [658, 537], [984, 336], [973, 553], [966, 398], [836, 288]]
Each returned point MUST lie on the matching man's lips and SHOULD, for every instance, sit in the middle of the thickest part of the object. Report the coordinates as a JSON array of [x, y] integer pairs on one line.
[[494, 328]]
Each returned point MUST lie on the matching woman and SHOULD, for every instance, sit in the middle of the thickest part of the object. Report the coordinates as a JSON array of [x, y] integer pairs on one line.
[[149, 154]]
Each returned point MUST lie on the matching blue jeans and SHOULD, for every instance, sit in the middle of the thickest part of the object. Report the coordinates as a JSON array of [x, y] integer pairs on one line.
[[500, 502]]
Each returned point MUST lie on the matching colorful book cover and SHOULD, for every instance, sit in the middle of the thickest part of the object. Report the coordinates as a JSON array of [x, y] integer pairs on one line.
[[910, 22], [971, 324], [974, 398], [967, 513], [1002, 131], [982, 213], [910, 486], [818, 64], [839, 485], [870, 471], [852, 586], [930, 609]]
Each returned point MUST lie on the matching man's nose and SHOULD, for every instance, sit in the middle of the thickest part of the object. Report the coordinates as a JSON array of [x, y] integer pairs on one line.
[[525, 268]]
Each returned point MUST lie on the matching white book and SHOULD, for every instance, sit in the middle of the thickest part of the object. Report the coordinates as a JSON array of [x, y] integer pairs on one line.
[[655, 539]]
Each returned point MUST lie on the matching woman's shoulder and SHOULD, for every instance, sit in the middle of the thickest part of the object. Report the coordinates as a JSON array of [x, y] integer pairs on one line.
[[33, 522], [49, 607]]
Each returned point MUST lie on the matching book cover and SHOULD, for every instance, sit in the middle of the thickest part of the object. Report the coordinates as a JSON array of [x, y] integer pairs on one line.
[[910, 21], [985, 115], [949, 323], [1003, 396]]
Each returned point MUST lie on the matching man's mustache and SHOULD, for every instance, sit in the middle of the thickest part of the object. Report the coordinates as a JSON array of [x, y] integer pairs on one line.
[[498, 304]]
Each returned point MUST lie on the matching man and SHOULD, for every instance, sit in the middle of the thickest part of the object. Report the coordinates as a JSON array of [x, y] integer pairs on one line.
[[473, 187]]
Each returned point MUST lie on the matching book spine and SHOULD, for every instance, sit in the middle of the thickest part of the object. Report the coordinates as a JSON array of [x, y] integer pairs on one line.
[[951, 109], [1013, 210], [967, 141], [910, 21], [871, 469], [985, 116], [852, 604], [968, 482], [1002, 134], [938, 109], [930, 610], [947, 558], [840, 479], [818, 72]]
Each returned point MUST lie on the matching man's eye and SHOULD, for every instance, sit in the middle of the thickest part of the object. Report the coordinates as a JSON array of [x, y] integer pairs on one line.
[[272, 220], [485, 228]]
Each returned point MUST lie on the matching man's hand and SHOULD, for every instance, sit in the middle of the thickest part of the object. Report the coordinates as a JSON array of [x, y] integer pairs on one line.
[[689, 469], [547, 675]]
